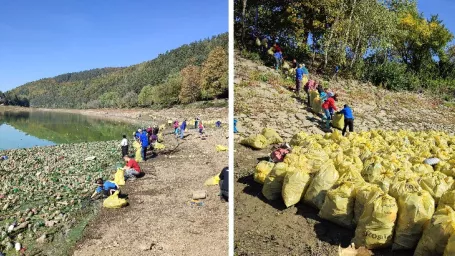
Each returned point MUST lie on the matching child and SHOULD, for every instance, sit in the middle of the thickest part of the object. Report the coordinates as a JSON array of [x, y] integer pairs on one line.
[[201, 128], [124, 145], [176, 127], [107, 188]]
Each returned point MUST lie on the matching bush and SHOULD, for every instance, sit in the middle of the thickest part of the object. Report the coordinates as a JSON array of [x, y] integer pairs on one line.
[[109, 100], [393, 76], [145, 96], [130, 100], [167, 94]]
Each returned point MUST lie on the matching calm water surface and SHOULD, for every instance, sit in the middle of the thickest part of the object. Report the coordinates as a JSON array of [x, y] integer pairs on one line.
[[24, 129]]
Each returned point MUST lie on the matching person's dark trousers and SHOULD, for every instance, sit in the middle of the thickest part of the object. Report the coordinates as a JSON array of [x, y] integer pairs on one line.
[[348, 122], [124, 151], [298, 85], [196, 123], [144, 153], [223, 193], [308, 96]]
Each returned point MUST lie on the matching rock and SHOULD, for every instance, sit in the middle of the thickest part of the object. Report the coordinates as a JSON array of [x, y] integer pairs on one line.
[[42, 239], [262, 68], [300, 116], [49, 223], [21, 226], [146, 246]]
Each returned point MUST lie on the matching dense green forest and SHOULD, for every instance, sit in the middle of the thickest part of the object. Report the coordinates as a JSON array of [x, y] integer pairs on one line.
[[192, 72], [387, 42]]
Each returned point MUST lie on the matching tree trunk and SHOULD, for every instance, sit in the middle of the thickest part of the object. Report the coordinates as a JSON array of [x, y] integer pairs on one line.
[[329, 42], [243, 21], [350, 22], [354, 58]]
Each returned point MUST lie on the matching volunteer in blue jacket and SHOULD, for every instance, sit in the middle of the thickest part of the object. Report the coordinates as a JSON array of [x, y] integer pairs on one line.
[[144, 143], [107, 187], [348, 118], [182, 129]]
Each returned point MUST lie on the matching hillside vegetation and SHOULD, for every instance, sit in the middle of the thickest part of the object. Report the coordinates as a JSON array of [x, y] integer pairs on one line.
[[195, 71], [387, 42]]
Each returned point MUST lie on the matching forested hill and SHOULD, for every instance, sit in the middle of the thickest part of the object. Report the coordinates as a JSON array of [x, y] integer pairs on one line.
[[191, 72]]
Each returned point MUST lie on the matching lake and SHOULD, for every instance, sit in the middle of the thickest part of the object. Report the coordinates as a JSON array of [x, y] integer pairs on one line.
[[24, 129]]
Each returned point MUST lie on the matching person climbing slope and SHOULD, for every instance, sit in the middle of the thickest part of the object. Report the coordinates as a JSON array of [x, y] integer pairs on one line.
[[278, 58], [329, 103], [348, 118], [298, 79], [176, 127]]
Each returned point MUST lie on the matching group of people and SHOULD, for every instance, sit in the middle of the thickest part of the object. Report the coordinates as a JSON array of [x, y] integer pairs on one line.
[[145, 137], [105, 188], [179, 129]]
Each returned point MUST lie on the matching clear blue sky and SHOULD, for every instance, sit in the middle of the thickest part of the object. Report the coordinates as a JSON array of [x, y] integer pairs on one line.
[[46, 38], [444, 8]]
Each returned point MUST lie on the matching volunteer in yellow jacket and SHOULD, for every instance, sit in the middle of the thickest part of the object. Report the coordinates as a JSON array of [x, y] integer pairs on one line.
[[348, 118]]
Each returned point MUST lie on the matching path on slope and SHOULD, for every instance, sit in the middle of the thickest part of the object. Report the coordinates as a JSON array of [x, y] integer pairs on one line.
[[160, 219]]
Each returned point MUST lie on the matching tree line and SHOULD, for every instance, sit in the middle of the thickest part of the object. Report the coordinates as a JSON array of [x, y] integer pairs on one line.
[[192, 72], [387, 42]]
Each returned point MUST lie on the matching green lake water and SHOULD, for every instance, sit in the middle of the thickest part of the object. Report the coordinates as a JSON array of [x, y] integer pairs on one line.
[[24, 129]]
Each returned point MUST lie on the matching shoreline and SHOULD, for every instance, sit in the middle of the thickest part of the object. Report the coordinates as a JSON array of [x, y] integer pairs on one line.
[[139, 115]]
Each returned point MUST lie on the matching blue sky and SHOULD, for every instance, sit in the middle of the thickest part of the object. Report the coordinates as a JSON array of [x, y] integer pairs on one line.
[[444, 8], [46, 38]]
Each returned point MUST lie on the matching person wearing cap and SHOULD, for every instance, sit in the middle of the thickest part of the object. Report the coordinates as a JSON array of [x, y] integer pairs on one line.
[[348, 118], [106, 188]]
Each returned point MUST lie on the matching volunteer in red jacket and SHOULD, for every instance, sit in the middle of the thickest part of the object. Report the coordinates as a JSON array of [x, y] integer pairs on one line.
[[330, 104], [132, 169]]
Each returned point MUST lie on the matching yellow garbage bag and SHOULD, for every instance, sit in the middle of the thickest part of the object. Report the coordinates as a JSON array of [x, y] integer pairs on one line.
[[138, 155], [450, 247], [338, 206], [271, 51], [294, 186], [298, 139], [159, 146], [113, 201], [437, 233], [316, 159], [313, 95], [273, 183], [263, 168], [119, 177], [296, 160], [414, 211], [272, 136], [445, 168], [320, 184], [338, 121], [221, 148], [317, 105], [377, 174], [162, 127], [437, 183], [212, 181], [351, 176], [304, 80], [399, 187], [375, 227], [258, 42], [447, 199], [136, 145], [286, 65], [422, 169], [257, 141], [364, 194]]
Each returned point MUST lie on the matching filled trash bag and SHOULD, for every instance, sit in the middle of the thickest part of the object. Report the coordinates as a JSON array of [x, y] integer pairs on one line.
[[364, 194], [272, 136], [316, 105], [273, 183], [220, 148], [437, 233], [450, 247], [447, 199], [257, 141], [375, 227], [113, 201], [338, 206], [159, 146], [437, 183], [263, 168], [415, 209], [294, 186], [212, 181], [322, 182], [298, 139], [338, 121], [400, 187], [119, 177]]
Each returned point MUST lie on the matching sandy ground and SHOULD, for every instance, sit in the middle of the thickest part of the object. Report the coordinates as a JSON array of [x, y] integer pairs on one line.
[[160, 219]]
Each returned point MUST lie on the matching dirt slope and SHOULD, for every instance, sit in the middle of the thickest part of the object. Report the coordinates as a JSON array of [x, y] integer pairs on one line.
[[261, 100], [160, 219]]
